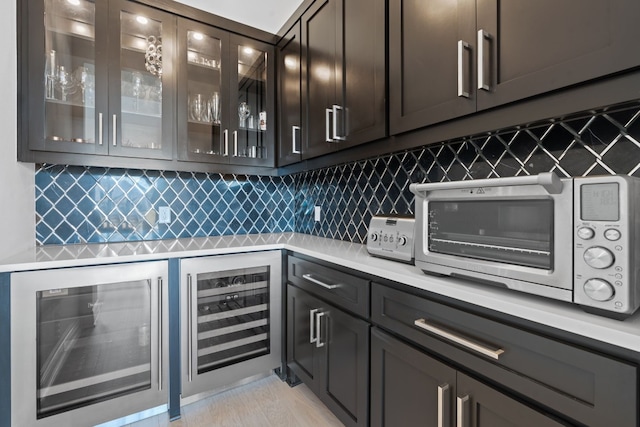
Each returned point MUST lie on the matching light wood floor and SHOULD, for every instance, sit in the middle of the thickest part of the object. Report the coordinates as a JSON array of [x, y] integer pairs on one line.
[[265, 403]]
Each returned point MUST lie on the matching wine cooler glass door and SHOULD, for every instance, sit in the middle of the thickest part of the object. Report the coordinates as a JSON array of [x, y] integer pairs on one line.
[[95, 341]]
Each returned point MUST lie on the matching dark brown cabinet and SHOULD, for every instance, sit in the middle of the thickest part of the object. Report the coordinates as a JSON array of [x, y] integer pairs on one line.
[[289, 98], [449, 59], [328, 349], [409, 387], [225, 95], [100, 79], [343, 75]]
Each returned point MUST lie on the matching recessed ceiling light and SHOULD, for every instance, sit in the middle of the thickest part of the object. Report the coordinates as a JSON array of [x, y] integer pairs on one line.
[[248, 51], [142, 20], [198, 36], [74, 2]]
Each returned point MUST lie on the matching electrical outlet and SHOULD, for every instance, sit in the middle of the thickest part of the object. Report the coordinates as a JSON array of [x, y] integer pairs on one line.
[[317, 211], [164, 214]]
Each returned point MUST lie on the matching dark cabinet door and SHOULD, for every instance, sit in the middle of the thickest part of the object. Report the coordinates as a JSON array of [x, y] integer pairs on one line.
[[408, 387], [479, 405], [321, 35], [345, 375], [431, 62], [303, 357], [363, 90], [289, 99], [533, 47]]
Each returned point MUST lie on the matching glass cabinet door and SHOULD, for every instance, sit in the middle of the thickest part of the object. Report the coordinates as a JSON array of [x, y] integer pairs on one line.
[[70, 78], [250, 135], [202, 93], [141, 102]]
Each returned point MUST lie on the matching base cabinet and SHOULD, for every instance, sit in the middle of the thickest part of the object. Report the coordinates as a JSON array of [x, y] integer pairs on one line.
[[328, 349], [409, 387]]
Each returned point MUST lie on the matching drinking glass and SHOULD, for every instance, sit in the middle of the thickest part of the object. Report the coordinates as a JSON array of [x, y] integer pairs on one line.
[[214, 108], [243, 112]]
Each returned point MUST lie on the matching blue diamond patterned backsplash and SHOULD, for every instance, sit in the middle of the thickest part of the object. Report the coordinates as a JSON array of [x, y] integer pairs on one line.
[[78, 204]]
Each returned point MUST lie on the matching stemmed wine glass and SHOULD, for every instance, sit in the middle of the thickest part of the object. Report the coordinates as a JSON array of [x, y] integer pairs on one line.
[[66, 83], [243, 112]]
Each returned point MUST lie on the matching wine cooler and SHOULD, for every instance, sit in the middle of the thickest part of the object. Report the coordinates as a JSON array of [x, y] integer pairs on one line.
[[88, 345], [231, 320]]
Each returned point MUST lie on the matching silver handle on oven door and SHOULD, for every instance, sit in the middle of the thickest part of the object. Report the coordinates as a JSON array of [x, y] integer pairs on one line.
[[327, 127], [189, 327], [294, 150], [548, 180], [336, 137], [463, 68], [494, 353], [443, 405], [160, 324], [462, 407], [312, 328], [483, 68], [319, 317], [310, 278]]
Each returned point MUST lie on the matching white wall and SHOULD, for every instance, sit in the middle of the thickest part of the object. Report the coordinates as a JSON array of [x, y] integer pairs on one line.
[[17, 180]]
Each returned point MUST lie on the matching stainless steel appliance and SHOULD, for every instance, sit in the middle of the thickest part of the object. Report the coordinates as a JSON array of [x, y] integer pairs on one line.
[[571, 239], [231, 320], [391, 236], [87, 344]]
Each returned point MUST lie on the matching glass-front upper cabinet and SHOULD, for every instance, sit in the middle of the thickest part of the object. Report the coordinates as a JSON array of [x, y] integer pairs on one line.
[[99, 78], [225, 95]]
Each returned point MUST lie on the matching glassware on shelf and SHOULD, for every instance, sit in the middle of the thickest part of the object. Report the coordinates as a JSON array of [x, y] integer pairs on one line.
[[136, 88], [51, 75], [197, 108], [214, 108], [83, 77], [66, 83], [244, 111]]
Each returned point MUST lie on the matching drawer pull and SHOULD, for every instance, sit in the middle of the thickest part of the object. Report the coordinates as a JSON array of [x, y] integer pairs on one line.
[[494, 353], [310, 278], [443, 405]]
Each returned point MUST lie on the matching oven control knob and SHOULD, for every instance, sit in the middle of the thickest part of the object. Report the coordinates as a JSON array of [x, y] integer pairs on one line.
[[612, 234], [599, 290], [402, 240], [586, 233], [599, 257], [374, 237]]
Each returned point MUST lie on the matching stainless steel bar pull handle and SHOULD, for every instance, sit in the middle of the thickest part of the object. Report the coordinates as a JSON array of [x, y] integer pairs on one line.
[[462, 411], [444, 401], [483, 64], [335, 110], [189, 328], [469, 343], [235, 143], [294, 145], [463, 69], [100, 128], [319, 317], [115, 130], [310, 278], [160, 332], [312, 319], [225, 150], [327, 130]]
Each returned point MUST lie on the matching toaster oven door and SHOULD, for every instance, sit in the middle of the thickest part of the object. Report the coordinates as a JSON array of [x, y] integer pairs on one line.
[[513, 236]]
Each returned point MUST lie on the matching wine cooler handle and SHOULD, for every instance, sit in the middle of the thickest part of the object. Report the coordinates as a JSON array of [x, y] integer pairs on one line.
[[100, 128], [160, 331], [462, 411], [189, 327], [444, 392], [319, 316], [312, 318]]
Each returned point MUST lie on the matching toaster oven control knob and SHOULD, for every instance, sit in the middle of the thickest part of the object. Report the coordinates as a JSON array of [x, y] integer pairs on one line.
[[599, 290], [612, 234], [586, 233], [374, 237], [402, 240], [599, 257]]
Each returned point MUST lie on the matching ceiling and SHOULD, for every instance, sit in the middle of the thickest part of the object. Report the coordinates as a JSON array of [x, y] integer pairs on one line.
[[267, 15]]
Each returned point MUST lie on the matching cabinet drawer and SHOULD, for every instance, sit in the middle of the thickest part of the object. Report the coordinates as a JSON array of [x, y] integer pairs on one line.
[[342, 289], [583, 385]]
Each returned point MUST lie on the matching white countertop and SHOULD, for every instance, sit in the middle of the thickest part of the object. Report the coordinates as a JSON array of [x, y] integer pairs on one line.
[[625, 334]]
